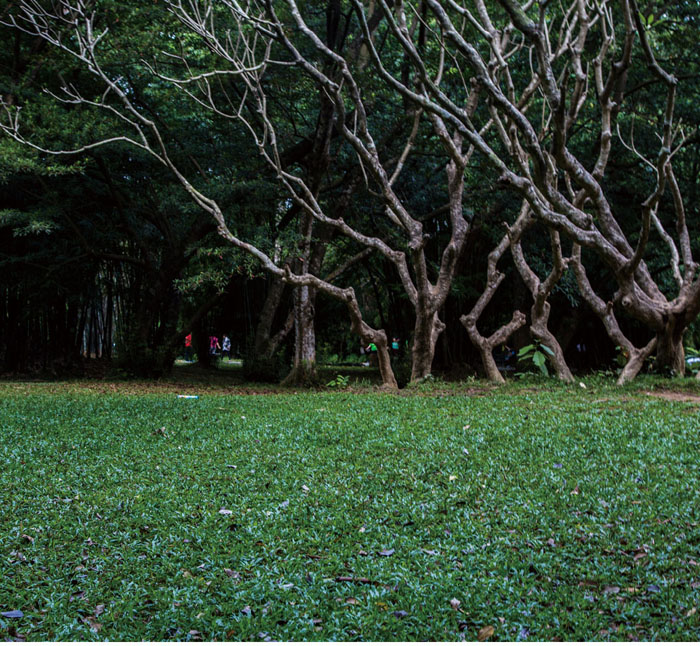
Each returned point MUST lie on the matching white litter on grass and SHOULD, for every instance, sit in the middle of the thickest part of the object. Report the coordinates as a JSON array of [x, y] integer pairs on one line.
[[188, 396]]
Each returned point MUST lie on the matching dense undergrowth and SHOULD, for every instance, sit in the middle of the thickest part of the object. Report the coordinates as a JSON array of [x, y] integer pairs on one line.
[[533, 511]]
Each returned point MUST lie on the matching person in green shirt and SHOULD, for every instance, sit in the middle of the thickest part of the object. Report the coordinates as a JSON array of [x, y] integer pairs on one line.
[[371, 350]]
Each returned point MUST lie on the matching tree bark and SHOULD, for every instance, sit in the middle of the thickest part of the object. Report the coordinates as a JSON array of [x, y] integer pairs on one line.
[[263, 343], [670, 353], [304, 365], [494, 278]]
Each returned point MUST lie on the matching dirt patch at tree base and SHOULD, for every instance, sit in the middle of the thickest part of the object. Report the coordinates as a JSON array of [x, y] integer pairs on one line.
[[675, 396]]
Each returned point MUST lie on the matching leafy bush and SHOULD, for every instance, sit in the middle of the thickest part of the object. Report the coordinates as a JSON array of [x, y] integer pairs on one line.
[[535, 354], [340, 382]]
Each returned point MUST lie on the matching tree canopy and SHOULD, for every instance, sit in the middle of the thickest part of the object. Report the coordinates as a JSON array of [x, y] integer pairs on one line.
[[460, 175]]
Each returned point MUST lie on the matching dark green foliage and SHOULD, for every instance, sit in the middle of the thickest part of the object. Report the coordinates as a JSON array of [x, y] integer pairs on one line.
[[265, 369]]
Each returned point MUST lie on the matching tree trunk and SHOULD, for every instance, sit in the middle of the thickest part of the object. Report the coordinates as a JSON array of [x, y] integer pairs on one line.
[[501, 335], [489, 363], [265, 344], [304, 367], [538, 327], [635, 362], [425, 335], [670, 354]]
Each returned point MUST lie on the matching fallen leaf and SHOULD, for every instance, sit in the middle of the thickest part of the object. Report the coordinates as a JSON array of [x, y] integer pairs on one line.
[[485, 633], [305, 488], [231, 466], [455, 603], [12, 614], [99, 609], [225, 512], [246, 611], [558, 465], [653, 588], [691, 612], [28, 538], [551, 542], [351, 601], [94, 625], [452, 478], [196, 635], [362, 553], [575, 491], [640, 554], [400, 614], [231, 573], [78, 595], [388, 552], [695, 584], [611, 589]]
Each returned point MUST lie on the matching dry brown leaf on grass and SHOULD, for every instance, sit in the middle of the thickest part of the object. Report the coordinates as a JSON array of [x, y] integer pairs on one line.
[[485, 633], [94, 625]]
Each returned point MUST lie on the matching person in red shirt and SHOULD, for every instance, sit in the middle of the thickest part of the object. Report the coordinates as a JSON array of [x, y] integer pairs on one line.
[[188, 346]]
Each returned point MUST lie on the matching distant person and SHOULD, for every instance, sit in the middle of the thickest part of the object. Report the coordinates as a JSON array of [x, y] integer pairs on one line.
[[188, 347], [395, 346], [371, 350], [226, 348], [214, 346]]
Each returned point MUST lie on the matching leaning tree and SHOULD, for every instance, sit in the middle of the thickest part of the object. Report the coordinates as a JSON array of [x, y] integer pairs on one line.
[[522, 88], [539, 74], [549, 75]]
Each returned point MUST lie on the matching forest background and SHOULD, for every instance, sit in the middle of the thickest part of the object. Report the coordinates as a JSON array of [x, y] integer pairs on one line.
[[312, 177]]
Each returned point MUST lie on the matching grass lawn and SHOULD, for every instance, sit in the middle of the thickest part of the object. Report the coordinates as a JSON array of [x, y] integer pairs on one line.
[[534, 512]]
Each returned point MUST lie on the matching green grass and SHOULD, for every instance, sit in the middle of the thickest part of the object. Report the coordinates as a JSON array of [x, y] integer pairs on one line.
[[547, 511]]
